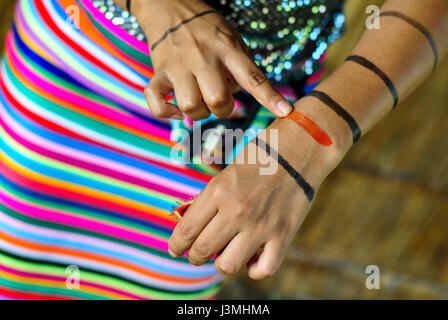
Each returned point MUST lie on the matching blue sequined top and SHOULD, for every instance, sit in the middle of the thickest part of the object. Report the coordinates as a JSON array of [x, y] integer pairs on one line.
[[286, 38]]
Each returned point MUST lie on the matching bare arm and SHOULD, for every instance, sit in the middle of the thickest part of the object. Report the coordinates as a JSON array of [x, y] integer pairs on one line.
[[412, 38]]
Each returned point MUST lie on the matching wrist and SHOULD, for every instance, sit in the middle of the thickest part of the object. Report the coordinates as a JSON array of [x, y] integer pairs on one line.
[[152, 15], [141, 10], [313, 160], [329, 122], [157, 16]]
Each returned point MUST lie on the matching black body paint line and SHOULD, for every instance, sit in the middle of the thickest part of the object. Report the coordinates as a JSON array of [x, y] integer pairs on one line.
[[303, 184], [180, 25], [372, 67], [420, 28], [336, 107]]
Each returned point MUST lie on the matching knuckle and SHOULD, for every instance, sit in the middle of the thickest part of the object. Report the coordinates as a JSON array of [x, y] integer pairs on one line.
[[217, 188], [201, 250], [186, 231], [188, 105], [257, 78], [241, 207], [217, 100], [175, 40], [267, 272]]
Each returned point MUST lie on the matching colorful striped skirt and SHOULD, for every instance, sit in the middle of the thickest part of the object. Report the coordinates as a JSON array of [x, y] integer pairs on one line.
[[86, 181]]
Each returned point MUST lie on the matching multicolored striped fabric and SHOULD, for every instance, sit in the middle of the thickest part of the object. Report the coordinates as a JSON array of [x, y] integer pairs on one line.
[[85, 174], [86, 179]]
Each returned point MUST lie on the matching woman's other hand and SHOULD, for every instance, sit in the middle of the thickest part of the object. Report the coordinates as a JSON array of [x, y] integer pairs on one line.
[[204, 61]]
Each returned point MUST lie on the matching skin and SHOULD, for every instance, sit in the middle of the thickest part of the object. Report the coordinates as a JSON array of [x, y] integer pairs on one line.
[[204, 62], [250, 219]]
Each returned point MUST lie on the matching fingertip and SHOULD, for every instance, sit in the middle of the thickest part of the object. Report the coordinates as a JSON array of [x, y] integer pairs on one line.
[[172, 254], [259, 272], [252, 272], [252, 266], [283, 109], [166, 110], [264, 264]]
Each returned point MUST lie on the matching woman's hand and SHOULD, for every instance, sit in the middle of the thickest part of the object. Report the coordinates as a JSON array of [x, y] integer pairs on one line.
[[241, 211], [204, 61]]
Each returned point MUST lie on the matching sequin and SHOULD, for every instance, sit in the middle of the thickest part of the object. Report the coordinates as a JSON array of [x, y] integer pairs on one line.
[[120, 17]]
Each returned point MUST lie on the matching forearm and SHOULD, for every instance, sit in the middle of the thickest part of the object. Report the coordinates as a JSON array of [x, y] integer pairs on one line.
[[399, 50]]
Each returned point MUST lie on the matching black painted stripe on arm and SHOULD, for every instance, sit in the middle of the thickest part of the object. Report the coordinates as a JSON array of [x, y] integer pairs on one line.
[[303, 184], [420, 28], [180, 25], [372, 67], [336, 107]]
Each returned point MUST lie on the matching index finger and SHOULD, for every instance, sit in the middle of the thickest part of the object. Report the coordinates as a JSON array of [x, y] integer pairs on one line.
[[251, 78]]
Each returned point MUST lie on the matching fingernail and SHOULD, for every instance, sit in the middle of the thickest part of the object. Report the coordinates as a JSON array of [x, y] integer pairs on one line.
[[284, 108], [172, 254]]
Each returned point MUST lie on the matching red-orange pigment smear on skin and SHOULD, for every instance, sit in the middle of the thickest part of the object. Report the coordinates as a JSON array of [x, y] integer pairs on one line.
[[311, 127]]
